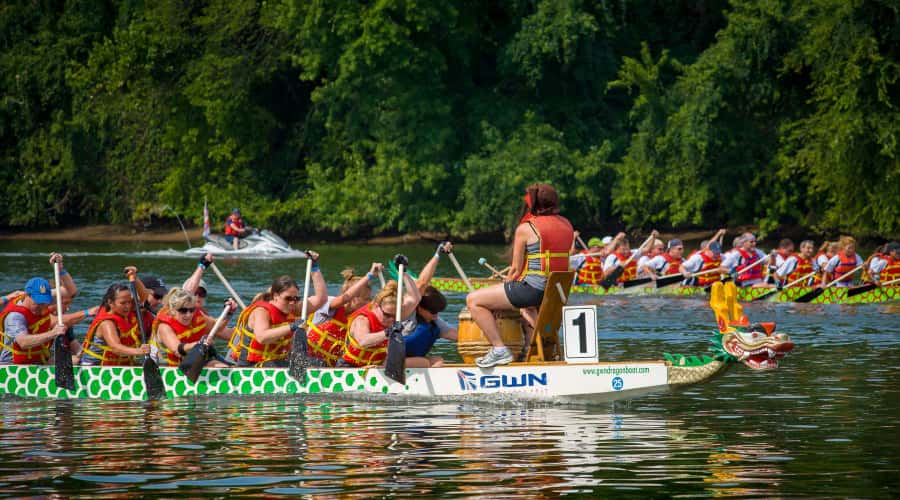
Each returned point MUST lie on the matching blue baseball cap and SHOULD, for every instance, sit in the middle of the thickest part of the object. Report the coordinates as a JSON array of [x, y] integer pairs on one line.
[[236, 211], [715, 247], [675, 243], [39, 291]]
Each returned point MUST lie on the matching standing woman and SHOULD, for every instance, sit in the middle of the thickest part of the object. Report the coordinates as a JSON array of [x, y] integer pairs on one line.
[[540, 246], [181, 324], [265, 330], [114, 338]]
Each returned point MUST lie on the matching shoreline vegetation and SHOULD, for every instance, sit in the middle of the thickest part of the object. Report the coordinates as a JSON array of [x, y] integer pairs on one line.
[[357, 119]]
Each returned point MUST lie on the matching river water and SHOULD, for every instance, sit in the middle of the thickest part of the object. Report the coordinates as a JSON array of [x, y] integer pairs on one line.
[[825, 424]]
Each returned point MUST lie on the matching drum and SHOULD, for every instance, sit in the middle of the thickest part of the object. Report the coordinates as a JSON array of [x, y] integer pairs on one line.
[[472, 342]]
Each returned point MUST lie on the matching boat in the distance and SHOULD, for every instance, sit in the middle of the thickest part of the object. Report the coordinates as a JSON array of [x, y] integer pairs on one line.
[[258, 242]]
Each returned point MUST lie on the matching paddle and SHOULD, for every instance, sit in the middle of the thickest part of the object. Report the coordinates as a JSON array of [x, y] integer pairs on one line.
[[459, 271], [620, 268], [381, 278], [394, 364], [227, 285], [494, 272], [811, 295], [153, 381], [792, 283], [669, 279], [197, 357], [868, 286], [64, 373], [299, 361], [581, 242]]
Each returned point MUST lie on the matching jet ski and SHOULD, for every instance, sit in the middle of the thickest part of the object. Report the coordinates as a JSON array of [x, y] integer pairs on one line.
[[257, 242]]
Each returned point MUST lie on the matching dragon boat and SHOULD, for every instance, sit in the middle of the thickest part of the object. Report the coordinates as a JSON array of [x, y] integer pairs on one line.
[[570, 379], [833, 295]]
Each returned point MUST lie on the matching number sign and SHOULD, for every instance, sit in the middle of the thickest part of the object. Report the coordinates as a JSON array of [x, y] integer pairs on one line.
[[580, 334]]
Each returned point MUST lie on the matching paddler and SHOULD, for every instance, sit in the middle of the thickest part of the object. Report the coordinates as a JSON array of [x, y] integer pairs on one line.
[[845, 260], [778, 257], [745, 262], [666, 263], [181, 324], [68, 290], [114, 337], [797, 265], [887, 267], [195, 283], [622, 255], [700, 262], [265, 329], [27, 328], [644, 269], [328, 326], [541, 245], [825, 253], [366, 343], [235, 229], [589, 262]]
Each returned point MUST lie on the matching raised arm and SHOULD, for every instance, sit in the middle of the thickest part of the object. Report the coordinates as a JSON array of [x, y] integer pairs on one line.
[[428, 271], [64, 277], [192, 284], [138, 285], [411, 296]]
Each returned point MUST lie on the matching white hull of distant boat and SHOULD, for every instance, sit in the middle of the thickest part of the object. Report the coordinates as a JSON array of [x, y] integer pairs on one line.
[[263, 242]]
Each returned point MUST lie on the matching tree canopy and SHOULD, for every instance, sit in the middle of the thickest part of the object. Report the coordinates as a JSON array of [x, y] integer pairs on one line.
[[364, 117]]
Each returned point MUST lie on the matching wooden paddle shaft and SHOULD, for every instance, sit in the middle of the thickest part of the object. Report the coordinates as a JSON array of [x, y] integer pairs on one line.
[[218, 324], [798, 280], [581, 242], [460, 271], [381, 278], [227, 285], [304, 306], [844, 276], [59, 309], [399, 314], [886, 283], [638, 252], [492, 268]]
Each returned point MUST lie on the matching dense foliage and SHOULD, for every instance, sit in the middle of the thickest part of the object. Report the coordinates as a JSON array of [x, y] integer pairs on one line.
[[362, 117]]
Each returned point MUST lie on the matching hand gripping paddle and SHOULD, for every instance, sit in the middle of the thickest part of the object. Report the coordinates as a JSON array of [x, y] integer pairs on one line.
[[395, 364]]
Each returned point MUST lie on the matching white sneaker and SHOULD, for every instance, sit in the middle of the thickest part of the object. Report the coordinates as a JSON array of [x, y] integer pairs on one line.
[[496, 356]]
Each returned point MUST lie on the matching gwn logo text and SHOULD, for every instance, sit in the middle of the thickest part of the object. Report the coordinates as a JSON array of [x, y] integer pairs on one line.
[[469, 381]]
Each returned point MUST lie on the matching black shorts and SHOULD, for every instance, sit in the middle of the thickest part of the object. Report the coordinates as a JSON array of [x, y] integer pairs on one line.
[[521, 294]]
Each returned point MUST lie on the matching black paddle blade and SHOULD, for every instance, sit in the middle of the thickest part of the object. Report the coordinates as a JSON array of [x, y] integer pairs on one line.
[[299, 361], [670, 280], [765, 295], [195, 360], [153, 381], [810, 296], [395, 364], [861, 289], [636, 282], [64, 373], [613, 277]]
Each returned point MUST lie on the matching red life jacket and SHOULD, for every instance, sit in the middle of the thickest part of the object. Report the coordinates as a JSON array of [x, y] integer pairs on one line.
[[804, 267], [844, 266], [185, 333], [749, 259], [357, 355], [591, 272], [630, 270], [243, 337], [891, 271], [35, 355], [326, 340], [674, 264], [708, 263], [236, 222], [129, 336], [556, 235]]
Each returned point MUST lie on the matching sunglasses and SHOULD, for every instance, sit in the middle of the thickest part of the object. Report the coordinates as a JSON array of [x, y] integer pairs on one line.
[[186, 310], [291, 298]]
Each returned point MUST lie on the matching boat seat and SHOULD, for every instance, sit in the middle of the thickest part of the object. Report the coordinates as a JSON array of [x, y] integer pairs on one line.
[[544, 342]]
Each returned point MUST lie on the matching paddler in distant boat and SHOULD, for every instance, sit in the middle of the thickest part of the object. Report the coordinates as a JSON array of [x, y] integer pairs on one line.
[[825, 253], [26, 326], [655, 255], [707, 259], [234, 229], [541, 245], [114, 337], [181, 324], [423, 328], [745, 263], [666, 263], [328, 326], [589, 262], [797, 265], [265, 329], [845, 260], [778, 257], [887, 267], [621, 255]]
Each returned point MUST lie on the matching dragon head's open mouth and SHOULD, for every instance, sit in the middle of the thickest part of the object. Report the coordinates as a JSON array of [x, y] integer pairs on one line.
[[757, 348]]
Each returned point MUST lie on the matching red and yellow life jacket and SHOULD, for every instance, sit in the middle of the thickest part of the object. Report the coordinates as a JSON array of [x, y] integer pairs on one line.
[[804, 267], [39, 354], [243, 339], [235, 222], [556, 235], [129, 336], [355, 354], [708, 263], [591, 272], [186, 333], [844, 266], [749, 259], [891, 271], [326, 340], [674, 264], [630, 270]]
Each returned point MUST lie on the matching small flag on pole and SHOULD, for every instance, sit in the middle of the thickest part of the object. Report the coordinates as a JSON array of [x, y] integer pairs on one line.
[[205, 220]]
